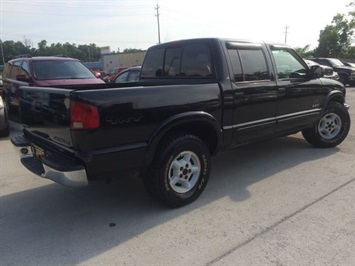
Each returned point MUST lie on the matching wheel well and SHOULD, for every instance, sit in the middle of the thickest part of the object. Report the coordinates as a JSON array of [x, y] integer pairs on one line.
[[337, 98], [202, 130]]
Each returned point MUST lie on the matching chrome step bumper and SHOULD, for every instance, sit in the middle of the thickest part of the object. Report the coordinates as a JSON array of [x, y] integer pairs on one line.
[[50, 165]]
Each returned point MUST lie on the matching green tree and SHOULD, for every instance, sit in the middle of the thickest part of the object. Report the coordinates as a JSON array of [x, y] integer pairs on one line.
[[304, 51], [42, 49], [57, 50], [336, 39], [350, 53], [84, 53], [90, 52], [12, 49]]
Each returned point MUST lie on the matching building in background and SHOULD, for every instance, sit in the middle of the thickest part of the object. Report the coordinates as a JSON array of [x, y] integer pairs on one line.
[[105, 50], [130, 59], [109, 61]]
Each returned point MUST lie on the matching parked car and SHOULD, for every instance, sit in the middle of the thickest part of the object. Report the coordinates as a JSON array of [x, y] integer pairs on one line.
[[113, 73], [128, 75], [4, 120], [45, 71], [349, 64], [346, 73], [327, 70], [102, 75]]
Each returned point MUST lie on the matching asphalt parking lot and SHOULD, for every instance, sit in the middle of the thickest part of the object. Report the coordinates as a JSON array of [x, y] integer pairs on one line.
[[281, 202]]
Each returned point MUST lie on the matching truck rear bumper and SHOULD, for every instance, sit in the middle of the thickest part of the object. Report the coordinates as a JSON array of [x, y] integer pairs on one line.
[[55, 167]]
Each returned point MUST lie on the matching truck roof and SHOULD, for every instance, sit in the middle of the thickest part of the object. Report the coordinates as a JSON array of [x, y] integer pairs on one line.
[[216, 40]]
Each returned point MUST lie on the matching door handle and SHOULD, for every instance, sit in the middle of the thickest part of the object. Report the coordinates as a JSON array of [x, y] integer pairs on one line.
[[282, 89]]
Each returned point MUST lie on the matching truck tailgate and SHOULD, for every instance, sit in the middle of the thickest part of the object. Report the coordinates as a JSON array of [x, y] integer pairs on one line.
[[45, 112]]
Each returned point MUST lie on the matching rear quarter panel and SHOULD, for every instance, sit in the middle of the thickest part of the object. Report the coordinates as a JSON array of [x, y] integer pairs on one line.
[[132, 115]]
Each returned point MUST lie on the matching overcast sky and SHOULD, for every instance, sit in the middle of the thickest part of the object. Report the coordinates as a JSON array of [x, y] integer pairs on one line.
[[133, 23]]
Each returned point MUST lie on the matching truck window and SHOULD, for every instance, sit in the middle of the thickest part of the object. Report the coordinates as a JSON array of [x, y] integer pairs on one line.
[[196, 61], [324, 62], [153, 64], [287, 65], [25, 70], [185, 61], [249, 65], [172, 62], [15, 69]]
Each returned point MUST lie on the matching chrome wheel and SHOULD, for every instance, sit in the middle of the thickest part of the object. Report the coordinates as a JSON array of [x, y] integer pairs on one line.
[[184, 172], [329, 126], [180, 170]]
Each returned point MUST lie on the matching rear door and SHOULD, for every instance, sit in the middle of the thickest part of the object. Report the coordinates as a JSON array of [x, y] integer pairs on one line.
[[254, 92]]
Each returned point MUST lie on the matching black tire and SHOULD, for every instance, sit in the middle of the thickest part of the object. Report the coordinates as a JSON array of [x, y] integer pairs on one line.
[[331, 129], [180, 170]]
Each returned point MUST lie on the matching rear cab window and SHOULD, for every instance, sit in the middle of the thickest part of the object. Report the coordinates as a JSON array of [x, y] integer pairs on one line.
[[188, 61]]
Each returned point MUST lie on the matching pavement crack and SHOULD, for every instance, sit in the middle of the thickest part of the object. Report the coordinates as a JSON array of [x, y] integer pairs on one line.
[[271, 227]]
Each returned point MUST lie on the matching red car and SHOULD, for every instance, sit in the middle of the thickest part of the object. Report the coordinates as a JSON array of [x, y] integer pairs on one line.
[[44, 71]]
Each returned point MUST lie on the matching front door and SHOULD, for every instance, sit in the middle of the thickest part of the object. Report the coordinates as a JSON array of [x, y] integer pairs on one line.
[[299, 96]]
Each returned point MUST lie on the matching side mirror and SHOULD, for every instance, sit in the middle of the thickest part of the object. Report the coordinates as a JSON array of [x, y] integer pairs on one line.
[[22, 78], [316, 72]]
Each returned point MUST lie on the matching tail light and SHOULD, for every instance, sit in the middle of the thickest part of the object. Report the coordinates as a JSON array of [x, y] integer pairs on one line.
[[84, 116]]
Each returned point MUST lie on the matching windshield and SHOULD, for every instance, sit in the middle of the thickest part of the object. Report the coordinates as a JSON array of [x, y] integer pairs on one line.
[[60, 69], [336, 62]]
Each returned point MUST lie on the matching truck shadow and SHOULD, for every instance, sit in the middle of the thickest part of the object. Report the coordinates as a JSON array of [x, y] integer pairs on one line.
[[54, 225]]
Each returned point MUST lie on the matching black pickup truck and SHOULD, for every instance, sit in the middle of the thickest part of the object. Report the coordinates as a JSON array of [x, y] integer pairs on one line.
[[195, 98]]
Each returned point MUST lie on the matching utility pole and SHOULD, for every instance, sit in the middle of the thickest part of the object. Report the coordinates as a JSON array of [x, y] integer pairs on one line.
[[286, 31], [157, 15]]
